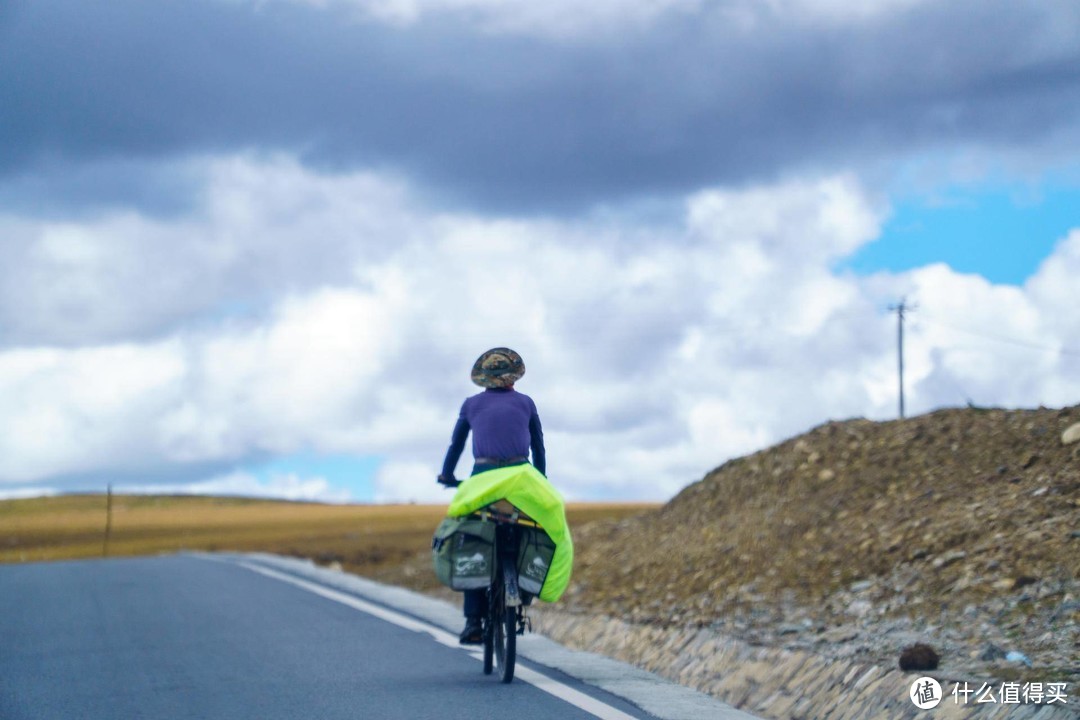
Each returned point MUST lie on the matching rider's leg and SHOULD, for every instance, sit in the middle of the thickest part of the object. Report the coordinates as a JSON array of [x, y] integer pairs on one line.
[[475, 600], [475, 607]]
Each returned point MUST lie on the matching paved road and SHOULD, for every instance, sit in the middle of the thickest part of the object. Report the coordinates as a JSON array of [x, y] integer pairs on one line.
[[187, 637]]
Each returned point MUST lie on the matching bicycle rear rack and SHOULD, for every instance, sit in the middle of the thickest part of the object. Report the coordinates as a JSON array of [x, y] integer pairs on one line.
[[504, 512]]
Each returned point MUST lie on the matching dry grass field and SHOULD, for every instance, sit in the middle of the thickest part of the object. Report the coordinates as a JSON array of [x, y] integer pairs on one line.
[[371, 540]]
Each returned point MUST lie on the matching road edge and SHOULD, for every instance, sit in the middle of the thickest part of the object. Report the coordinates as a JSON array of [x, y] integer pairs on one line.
[[653, 694]]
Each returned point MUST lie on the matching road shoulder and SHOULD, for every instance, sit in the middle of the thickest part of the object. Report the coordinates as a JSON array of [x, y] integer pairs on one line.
[[651, 693]]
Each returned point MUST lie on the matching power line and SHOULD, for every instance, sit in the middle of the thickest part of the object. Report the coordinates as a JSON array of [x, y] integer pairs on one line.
[[1002, 339]]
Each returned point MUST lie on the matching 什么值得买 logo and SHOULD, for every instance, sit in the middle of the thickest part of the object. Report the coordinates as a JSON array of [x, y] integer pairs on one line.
[[925, 693]]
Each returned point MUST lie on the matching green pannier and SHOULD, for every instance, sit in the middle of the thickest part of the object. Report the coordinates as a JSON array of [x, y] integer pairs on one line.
[[526, 488], [463, 551], [535, 551]]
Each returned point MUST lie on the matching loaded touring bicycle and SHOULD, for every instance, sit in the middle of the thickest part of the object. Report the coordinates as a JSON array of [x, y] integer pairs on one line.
[[505, 533], [501, 548]]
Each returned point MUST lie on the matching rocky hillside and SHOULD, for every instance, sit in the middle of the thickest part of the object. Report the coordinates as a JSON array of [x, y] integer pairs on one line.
[[960, 528]]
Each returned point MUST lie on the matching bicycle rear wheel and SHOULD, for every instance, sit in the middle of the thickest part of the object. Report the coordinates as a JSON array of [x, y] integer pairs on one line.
[[504, 626], [490, 622]]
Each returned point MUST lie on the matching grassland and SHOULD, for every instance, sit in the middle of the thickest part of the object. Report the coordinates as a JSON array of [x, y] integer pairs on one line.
[[373, 540]]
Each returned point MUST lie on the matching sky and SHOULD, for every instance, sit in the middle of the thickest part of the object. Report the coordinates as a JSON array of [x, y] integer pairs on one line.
[[254, 246]]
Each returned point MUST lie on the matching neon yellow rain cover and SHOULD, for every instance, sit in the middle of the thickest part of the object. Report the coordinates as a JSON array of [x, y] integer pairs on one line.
[[528, 489]]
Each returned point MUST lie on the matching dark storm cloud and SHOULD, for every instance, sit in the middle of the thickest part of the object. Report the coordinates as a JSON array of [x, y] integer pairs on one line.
[[56, 189], [523, 123]]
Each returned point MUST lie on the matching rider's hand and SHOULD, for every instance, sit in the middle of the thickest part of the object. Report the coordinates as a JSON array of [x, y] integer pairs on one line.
[[450, 482]]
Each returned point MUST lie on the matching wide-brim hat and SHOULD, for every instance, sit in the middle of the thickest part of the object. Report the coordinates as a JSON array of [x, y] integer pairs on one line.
[[498, 368]]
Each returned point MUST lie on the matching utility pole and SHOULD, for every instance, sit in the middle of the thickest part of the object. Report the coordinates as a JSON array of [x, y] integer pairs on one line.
[[900, 310], [108, 521]]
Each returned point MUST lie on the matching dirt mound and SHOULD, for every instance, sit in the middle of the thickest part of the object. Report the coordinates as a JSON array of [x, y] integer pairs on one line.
[[960, 527]]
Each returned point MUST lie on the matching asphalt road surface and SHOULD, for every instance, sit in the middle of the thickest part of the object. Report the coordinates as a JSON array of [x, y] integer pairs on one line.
[[191, 637]]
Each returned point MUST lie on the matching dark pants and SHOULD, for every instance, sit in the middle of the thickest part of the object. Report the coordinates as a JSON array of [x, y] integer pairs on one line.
[[476, 600], [475, 603]]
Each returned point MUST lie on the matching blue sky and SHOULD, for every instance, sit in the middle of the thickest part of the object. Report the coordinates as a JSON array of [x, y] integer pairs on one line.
[[1000, 233], [254, 247], [342, 472]]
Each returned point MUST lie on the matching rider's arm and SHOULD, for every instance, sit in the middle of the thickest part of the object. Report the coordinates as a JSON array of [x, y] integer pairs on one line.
[[457, 444], [536, 439]]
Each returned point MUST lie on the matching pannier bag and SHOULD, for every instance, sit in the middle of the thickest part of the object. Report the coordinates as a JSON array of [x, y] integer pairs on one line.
[[526, 488], [535, 552], [463, 553]]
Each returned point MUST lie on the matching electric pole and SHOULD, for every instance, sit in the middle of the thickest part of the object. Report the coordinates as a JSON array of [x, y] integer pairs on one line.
[[900, 310], [108, 521]]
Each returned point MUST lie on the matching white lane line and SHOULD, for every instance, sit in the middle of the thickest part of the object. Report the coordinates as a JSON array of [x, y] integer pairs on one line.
[[441, 636], [553, 687], [568, 694]]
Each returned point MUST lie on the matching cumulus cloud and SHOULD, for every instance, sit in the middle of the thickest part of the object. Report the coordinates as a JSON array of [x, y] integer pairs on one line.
[[27, 492], [75, 410], [568, 20], [1002, 344], [561, 19], [242, 484], [261, 229], [409, 482], [652, 360]]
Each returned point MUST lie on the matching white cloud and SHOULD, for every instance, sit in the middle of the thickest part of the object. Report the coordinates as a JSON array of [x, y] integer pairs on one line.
[[1054, 286], [265, 228], [556, 18], [651, 361], [64, 411], [242, 484], [409, 482], [28, 492], [572, 20], [841, 11]]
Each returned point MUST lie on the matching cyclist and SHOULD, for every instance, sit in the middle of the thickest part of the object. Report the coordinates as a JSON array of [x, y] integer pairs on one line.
[[505, 427]]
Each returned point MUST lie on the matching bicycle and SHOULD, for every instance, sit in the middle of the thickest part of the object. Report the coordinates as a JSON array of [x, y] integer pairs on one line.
[[505, 618]]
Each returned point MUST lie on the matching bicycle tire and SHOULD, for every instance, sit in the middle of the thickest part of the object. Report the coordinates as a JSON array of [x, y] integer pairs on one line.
[[510, 639], [490, 622], [498, 622], [505, 633], [489, 648]]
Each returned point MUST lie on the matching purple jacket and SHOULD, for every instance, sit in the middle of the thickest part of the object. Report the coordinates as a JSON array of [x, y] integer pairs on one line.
[[504, 425]]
